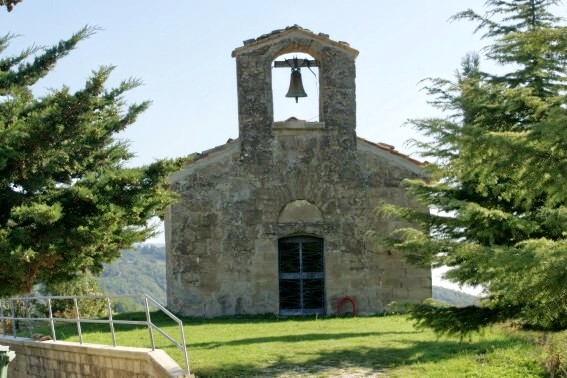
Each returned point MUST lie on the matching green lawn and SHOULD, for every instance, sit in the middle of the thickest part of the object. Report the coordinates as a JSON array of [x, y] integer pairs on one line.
[[329, 347]]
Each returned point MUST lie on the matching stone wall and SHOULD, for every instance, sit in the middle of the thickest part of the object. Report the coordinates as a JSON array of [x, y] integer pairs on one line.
[[337, 88], [222, 235], [50, 359], [222, 250]]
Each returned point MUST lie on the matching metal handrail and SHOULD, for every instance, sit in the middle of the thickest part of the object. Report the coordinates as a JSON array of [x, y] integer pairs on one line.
[[78, 320]]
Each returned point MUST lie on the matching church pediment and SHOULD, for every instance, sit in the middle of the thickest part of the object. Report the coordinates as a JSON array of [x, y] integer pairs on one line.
[[291, 32]]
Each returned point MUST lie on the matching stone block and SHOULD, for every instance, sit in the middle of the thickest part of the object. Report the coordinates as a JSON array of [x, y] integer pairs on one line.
[[419, 294], [33, 360], [190, 278], [137, 367], [55, 364], [400, 294], [252, 217], [71, 366], [33, 370], [426, 283], [412, 271], [108, 363], [85, 359], [386, 295], [203, 232], [392, 282], [116, 364], [85, 370], [75, 358], [412, 282]]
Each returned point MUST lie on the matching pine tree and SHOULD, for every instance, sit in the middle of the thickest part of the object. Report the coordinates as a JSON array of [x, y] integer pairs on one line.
[[9, 4], [498, 181], [68, 203]]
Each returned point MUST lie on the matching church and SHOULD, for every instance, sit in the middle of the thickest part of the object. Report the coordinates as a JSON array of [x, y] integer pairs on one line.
[[277, 220]]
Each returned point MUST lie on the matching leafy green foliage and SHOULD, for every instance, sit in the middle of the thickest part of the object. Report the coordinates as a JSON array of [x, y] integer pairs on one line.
[[554, 353], [145, 267], [81, 286], [499, 173], [9, 4], [454, 321], [68, 204]]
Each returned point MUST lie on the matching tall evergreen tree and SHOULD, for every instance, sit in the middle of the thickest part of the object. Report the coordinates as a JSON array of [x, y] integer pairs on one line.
[[9, 4], [498, 181], [68, 204]]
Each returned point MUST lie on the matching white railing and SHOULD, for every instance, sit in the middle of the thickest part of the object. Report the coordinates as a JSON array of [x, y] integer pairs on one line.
[[29, 319]]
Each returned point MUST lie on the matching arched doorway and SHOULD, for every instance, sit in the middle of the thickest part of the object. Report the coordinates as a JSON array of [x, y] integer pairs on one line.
[[301, 275]]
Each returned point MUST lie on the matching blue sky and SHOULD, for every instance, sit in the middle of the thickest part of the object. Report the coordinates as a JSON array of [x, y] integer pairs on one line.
[[181, 50]]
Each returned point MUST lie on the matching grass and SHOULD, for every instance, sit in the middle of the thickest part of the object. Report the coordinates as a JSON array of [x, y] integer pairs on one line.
[[387, 346]]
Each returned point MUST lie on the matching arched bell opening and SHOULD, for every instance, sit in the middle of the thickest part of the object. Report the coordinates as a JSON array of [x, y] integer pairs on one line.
[[295, 74]]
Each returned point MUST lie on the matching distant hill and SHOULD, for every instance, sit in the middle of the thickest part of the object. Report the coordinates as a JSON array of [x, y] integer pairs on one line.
[[453, 297], [136, 272], [143, 271]]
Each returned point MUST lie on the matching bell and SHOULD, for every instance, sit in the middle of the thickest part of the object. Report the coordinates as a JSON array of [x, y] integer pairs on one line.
[[296, 85]]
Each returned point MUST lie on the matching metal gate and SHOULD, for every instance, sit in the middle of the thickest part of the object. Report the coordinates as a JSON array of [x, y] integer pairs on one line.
[[302, 277]]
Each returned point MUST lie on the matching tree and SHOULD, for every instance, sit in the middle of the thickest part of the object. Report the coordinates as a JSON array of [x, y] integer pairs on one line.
[[9, 4], [498, 180], [85, 285], [68, 203]]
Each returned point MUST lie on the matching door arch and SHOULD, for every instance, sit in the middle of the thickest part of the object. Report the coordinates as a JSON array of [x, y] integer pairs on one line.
[[301, 275]]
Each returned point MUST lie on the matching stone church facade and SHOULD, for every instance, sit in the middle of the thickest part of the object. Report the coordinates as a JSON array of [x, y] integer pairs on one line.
[[276, 221]]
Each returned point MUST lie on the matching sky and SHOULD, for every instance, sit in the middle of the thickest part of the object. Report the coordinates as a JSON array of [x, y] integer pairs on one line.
[[181, 50]]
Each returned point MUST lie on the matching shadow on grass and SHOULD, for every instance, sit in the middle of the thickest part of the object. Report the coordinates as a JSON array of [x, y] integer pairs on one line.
[[249, 319], [371, 359], [159, 318], [291, 339]]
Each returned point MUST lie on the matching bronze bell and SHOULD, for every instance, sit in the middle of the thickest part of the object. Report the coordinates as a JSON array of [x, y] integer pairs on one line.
[[296, 85]]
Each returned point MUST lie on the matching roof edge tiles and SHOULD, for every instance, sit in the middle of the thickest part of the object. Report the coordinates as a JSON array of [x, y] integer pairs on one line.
[[381, 146], [253, 43], [392, 150]]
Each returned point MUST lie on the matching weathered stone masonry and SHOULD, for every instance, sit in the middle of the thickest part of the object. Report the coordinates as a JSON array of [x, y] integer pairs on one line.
[[282, 179], [53, 359]]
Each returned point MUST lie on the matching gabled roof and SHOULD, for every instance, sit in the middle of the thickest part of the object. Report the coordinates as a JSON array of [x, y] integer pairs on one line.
[[253, 43], [204, 154], [392, 150], [380, 146], [388, 152]]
